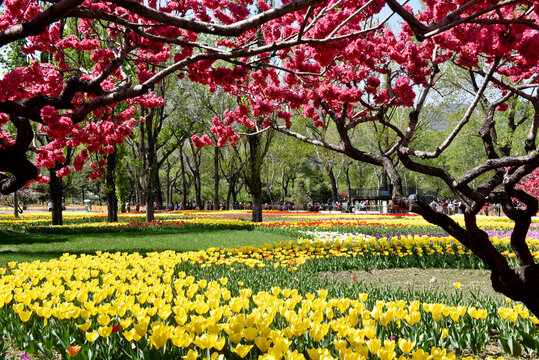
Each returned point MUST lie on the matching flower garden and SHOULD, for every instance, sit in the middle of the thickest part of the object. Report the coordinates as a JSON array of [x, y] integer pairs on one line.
[[260, 301]]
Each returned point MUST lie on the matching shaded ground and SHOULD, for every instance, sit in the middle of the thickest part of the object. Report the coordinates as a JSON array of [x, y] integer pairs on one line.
[[438, 280], [19, 246]]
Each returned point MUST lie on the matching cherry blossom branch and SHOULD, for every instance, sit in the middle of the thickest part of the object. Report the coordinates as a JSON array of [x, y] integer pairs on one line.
[[493, 164], [304, 22], [136, 28], [444, 175], [446, 24], [284, 130], [528, 22], [320, 15], [255, 133], [347, 36], [349, 18], [360, 120], [234, 29], [38, 23], [451, 20]]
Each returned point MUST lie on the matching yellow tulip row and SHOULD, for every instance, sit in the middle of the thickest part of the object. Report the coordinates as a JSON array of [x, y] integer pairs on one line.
[[292, 255]]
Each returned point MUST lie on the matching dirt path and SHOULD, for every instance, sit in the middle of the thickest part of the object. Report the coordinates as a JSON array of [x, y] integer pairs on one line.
[[439, 280]]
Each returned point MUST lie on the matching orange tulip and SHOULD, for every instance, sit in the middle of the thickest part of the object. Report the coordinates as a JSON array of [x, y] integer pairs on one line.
[[73, 350]]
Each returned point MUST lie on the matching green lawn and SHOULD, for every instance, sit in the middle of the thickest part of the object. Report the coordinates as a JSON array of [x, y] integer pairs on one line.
[[16, 246]]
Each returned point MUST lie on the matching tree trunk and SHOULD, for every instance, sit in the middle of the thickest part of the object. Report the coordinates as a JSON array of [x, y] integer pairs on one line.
[[257, 205], [184, 182], [157, 185], [15, 204], [284, 184], [334, 190], [348, 181], [234, 195], [150, 190], [110, 190], [198, 189], [150, 210], [255, 181], [228, 195], [151, 168], [216, 179], [384, 180], [56, 191], [168, 189]]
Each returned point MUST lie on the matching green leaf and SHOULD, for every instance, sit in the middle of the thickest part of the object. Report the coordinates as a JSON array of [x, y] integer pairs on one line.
[[528, 341], [514, 347], [504, 344]]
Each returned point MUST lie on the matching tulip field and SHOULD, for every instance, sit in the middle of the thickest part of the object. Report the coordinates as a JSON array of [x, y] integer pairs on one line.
[[263, 300]]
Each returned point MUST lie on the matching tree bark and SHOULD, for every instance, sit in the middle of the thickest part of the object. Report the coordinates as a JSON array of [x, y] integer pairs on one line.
[[56, 191], [198, 190], [168, 186], [216, 178], [333, 181], [110, 190], [15, 204], [150, 165], [184, 181], [254, 179]]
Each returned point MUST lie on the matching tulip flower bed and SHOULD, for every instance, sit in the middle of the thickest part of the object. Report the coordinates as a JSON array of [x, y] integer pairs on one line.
[[259, 302], [134, 306]]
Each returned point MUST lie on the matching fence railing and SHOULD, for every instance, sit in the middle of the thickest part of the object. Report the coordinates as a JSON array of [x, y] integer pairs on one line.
[[385, 193]]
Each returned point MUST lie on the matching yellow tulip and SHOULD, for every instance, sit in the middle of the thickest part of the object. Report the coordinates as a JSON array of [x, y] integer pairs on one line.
[[92, 336], [142, 327], [191, 355], [263, 344], [103, 320], [159, 335], [436, 315], [131, 335], [454, 316], [250, 333], [25, 315], [370, 332], [206, 341], [374, 345], [405, 345], [419, 354], [126, 322], [104, 331], [242, 350], [444, 333], [318, 332], [386, 354], [84, 327]]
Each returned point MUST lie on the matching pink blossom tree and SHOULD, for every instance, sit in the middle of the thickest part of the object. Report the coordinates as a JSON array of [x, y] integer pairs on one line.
[[360, 80]]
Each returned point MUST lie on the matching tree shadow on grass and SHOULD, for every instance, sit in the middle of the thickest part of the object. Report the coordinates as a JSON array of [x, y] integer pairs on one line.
[[8, 237]]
